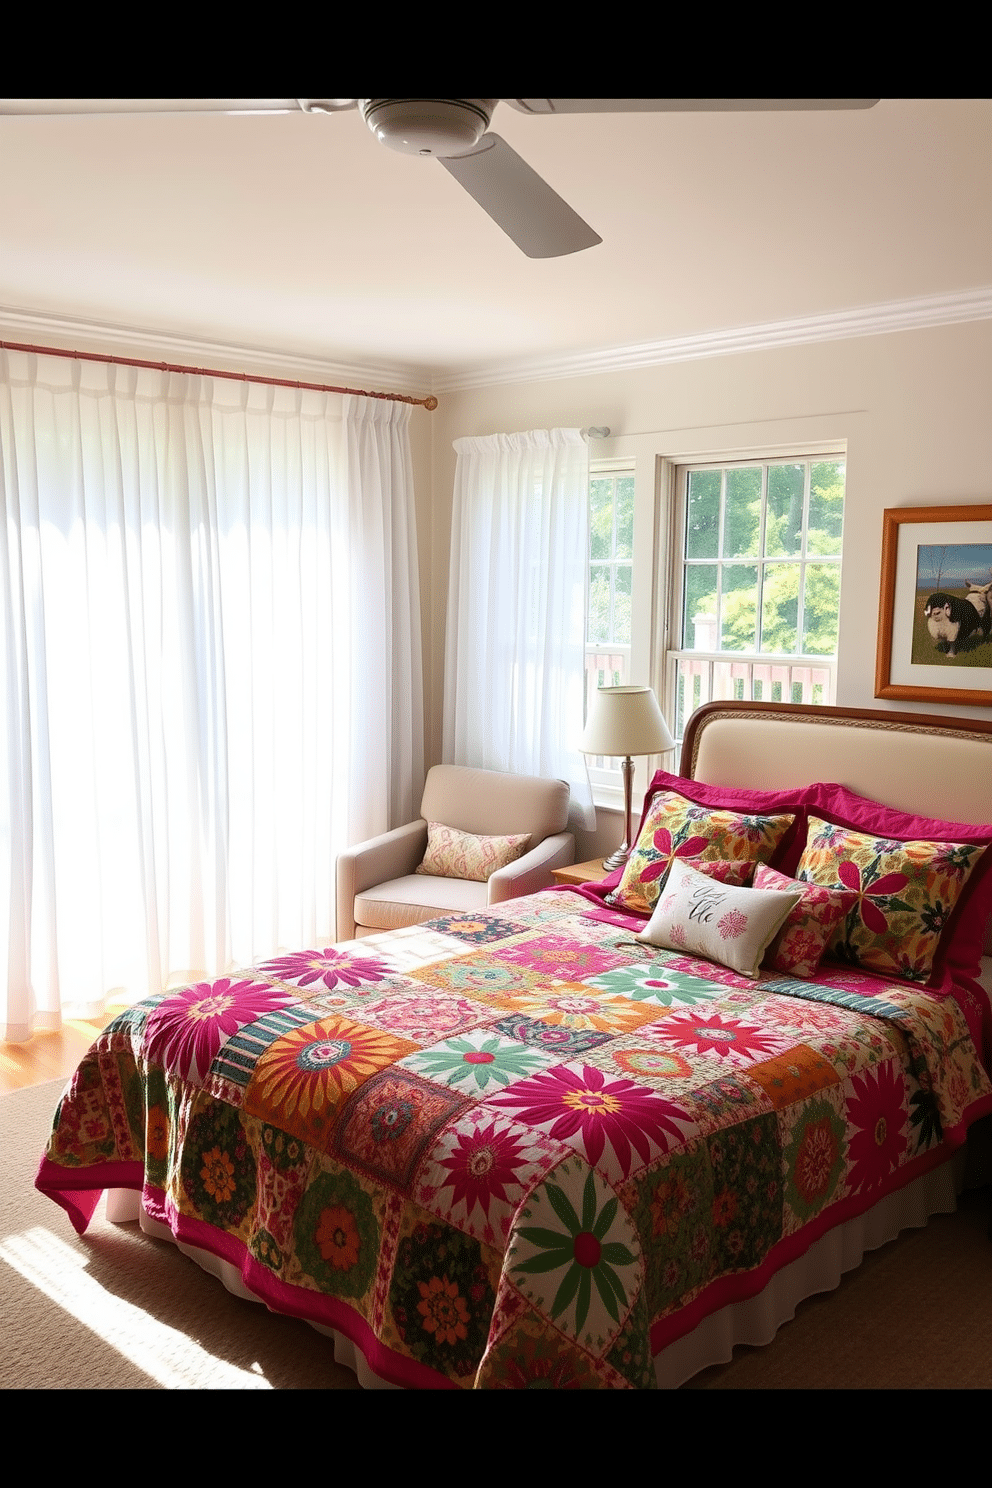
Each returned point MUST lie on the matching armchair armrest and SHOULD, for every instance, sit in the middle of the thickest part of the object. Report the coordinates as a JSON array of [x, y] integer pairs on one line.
[[391, 855], [532, 871]]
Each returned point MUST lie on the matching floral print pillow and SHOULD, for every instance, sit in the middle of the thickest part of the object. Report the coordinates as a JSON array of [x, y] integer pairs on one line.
[[800, 944], [905, 893], [454, 854], [700, 916], [677, 830]]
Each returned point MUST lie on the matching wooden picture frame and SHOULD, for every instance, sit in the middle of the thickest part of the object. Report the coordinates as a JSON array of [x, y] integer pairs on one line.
[[902, 670]]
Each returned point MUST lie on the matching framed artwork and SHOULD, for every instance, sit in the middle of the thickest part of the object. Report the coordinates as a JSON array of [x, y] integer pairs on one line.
[[935, 605]]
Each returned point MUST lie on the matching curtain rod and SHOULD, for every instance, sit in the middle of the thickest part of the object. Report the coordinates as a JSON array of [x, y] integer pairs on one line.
[[430, 402]]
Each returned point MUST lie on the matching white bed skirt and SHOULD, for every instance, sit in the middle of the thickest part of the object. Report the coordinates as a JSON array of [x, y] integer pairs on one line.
[[712, 1342]]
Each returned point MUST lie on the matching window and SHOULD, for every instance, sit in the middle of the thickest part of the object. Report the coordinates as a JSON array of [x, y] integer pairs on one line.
[[756, 583]]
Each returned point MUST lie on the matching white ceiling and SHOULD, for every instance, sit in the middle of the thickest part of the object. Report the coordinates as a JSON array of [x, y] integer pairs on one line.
[[300, 234]]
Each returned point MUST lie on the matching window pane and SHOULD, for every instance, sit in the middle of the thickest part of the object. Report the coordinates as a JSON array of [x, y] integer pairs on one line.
[[601, 518], [621, 604], [740, 610], [742, 516], [784, 519], [599, 603], [699, 628], [822, 607], [826, 507], [625, 516], [702, 529], [780, 607]]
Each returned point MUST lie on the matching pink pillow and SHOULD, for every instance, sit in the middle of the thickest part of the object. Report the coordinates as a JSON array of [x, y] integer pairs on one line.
[[961, 943], [799, 946]]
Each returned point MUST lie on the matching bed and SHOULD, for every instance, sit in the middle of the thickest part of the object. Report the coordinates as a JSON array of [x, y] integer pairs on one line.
[[591, 1137]]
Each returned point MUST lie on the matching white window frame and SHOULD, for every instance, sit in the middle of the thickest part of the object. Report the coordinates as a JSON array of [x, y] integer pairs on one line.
[[718, 674], [606, 665]]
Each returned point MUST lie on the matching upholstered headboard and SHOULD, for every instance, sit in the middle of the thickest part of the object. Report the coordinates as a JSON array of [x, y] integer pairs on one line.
[[919, 763]]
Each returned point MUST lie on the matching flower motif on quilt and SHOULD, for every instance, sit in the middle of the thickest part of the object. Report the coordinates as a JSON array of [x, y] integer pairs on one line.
[[187, 1029], [583, 1006], [560, 1042], [577, 1258], [336, 1237], [813, 1159], [443, 1310], [562, 958], [580, 1105], [525, 1361], [877, 1120], [218, 1167], [657, 983], [651, 1064], [720, 1037], [217, 1174], [441, 1299], [477, 929], [477, 1061], [301, 1080], [424, 1016], [336, 1233], [479, 1170], [331, 967], [672, 1201], [483, 976]]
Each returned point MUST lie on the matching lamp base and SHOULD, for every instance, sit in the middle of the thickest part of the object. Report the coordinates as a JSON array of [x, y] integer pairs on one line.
[[617, 859]]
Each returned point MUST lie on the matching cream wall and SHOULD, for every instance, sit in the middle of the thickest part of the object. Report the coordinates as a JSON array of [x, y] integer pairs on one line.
[[913, 408]]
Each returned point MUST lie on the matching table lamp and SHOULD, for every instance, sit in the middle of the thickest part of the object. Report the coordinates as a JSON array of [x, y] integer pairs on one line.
[[624, 721]]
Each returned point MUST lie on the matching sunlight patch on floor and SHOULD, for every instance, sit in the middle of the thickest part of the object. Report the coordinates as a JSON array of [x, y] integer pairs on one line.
[[166, 1355]]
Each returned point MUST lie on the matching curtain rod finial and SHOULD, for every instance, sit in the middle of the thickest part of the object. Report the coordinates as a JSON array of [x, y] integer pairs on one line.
[[600, 433]]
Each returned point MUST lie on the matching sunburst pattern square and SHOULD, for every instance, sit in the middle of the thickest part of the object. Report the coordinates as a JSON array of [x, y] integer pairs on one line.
[[302, 1079], [479, 1170]]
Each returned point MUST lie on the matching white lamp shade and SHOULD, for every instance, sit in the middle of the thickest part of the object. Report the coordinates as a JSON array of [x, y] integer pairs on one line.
[[625, 720]]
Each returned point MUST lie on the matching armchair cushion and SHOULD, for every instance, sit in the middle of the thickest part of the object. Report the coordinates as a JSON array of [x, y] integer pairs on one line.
[[454, 854]]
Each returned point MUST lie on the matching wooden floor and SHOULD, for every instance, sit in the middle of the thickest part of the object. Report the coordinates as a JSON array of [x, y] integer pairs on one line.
[[47, 1056]]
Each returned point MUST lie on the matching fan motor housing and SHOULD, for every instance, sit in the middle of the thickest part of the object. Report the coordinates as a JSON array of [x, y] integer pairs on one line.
[[428, 126]]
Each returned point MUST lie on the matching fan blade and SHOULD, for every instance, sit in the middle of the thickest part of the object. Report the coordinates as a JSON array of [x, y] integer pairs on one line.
[[152, 105], [518, 201], [679, 105]]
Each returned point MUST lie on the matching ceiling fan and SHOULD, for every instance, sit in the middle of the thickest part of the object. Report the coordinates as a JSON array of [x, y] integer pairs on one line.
[[455, 131]]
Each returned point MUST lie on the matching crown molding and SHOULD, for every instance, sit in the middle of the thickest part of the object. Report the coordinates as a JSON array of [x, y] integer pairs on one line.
[[866, 320], [75, 334]]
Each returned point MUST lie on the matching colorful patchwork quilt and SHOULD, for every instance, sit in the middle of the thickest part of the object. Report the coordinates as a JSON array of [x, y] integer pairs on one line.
[[517, 1147]]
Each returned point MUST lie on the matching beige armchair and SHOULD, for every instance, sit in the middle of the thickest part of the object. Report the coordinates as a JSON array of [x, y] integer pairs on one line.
[[379, 889]]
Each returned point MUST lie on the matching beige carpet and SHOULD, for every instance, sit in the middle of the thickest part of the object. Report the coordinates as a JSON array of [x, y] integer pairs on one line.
[[114, 1309]]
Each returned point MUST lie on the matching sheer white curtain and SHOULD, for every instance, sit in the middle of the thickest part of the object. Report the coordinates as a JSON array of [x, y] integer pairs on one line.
[[516, 607], [208, 591]]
